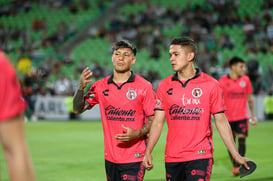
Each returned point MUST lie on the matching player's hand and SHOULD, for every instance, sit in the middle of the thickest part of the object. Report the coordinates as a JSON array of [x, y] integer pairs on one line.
[[85, 78], [128, 134], [242, 161], [254, 121], [147, 161]]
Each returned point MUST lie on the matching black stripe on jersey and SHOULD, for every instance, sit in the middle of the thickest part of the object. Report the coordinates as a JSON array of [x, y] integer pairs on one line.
[[175, 77], [131, 79], [157, 109], [211, 146], [145, 136]]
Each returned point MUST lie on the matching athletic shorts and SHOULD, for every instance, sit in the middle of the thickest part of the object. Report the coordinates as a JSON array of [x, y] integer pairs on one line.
[[195, 170], [239, 127], [121, 172]]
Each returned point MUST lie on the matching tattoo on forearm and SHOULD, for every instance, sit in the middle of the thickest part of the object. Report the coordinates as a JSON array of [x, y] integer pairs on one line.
[[78, 101], [146, 128]]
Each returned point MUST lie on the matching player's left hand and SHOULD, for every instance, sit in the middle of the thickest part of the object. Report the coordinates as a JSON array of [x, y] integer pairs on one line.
[[254, 121], [128, 134], [147, 161]]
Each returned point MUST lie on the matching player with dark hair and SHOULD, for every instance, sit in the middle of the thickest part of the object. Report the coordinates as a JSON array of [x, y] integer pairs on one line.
[[12, 136], [127, 104], [237, 91], [187, 99]]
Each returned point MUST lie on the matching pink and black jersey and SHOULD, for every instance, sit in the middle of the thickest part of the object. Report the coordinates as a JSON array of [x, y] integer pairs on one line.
[[235, 94], [128, 104], [188, 107], [11, 100]]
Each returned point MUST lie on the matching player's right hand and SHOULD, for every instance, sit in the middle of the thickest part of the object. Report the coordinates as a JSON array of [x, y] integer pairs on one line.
[[85, 78], [242, 161], [147, 161]]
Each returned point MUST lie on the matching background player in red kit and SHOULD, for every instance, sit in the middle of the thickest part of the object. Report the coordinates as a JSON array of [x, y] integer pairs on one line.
[[12, 136], [237, 90], [187, 99], [126, 101]]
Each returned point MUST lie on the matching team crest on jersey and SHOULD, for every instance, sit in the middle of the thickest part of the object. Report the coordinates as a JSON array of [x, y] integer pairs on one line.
[[196, 92], [242, 84], [131, 94]]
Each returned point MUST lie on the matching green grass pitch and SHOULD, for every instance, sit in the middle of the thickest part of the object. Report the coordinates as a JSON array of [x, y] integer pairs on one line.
[[73, 151]]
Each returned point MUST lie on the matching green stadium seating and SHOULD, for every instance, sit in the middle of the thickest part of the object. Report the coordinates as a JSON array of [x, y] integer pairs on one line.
[[99, 48]]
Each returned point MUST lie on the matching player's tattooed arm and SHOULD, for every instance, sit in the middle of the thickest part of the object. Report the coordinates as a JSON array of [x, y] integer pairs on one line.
[[130, 133], [79, 104], [146, 128]]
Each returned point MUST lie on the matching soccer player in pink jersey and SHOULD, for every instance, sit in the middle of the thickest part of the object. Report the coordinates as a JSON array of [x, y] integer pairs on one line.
[[12, 136], [188, 99], [237, 91], [127, 103]]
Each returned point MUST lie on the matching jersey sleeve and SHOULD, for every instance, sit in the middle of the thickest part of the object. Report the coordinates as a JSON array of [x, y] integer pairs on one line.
[[249, 88], [217, 103], [12, 102], [91, 95], [159, 98], [221, 83], [149, 101]]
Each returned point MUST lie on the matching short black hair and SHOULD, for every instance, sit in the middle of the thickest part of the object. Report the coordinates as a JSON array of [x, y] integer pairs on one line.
[[186, 42], [124, 44], [235, 60]]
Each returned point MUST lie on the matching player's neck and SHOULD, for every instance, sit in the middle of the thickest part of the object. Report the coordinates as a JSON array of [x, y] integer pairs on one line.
[[121, 77], [186, 74], [233, 75]]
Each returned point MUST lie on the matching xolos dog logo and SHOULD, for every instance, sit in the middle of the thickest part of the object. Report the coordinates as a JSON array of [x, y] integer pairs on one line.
[[131, 94], [197, 92]]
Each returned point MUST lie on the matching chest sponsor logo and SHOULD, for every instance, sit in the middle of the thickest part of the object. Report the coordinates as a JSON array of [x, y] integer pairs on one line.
[[183, 113], [189, 100], [131, 94], [113, 113], [242, 84], [236, 95]]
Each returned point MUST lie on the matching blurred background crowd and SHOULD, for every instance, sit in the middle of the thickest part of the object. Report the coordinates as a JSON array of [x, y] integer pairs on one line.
[[51, 41]]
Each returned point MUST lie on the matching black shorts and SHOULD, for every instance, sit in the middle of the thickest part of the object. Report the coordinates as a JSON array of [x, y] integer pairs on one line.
[[121, 172], [239, 127], [194, 170]]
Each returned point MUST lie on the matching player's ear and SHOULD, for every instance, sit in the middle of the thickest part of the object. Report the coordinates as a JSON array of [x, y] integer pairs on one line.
[[134, 60], [190, 56]]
